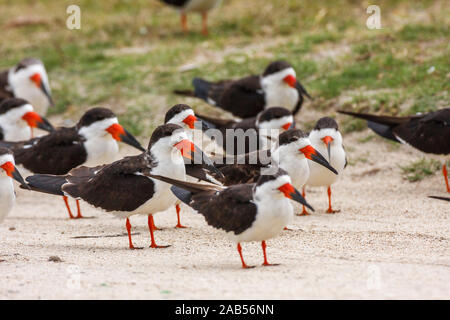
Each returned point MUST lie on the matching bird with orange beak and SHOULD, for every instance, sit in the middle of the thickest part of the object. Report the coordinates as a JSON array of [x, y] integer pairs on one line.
[[18, 120], [326, 138], [8, 172], [92, 142], [125, 188], [246, 97], [243, 212], [27, 80]]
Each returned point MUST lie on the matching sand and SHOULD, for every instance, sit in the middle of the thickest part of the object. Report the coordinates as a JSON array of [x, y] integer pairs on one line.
[[388, 242]]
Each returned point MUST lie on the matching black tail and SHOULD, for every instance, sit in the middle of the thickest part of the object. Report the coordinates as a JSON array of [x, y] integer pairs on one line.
[[47, 183], [201, 88], [381, 125], [182, 194]]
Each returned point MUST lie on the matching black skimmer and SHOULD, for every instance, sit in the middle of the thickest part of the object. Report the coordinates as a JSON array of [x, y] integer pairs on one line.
[[92, 142], [124, 188], [326, 138], [8, 171], [251, 134], [291, 154], [246, 97], [246, 212], [18, 119], [27, 80], [200, 6], [429, 132]]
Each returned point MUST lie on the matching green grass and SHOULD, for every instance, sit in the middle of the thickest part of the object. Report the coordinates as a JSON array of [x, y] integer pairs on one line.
[[418, 170], [128, 54]]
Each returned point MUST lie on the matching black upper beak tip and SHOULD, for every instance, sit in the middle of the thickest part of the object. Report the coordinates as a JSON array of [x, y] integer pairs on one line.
[[45, 125], [129, 139]]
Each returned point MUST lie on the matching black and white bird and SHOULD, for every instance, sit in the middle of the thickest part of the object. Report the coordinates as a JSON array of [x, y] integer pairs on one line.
[[245, 212], [428, 132], [124, 188], [200, 6], [27, 80], [327, 140], [18, 119], [251, 134], [8, 172], [92, 142], [246, 97]]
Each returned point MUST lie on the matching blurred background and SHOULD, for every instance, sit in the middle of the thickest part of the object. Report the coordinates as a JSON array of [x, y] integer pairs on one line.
[[130, 54]]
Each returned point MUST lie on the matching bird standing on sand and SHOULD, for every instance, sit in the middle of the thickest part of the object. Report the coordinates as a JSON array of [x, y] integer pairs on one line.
[[125, 188], [18, 119], [92, 142], [326, 138], [246, 97], [8, 171], [200, 6], [246, 212], [27, 80], [428, 132]]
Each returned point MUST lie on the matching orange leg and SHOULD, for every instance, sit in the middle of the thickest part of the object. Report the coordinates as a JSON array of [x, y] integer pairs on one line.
[[79, 216], [179, 225], [330, 209], [265, 263], [150, 223], [68, 208], [304, 212], [128, 226], [154, 228], [205, 23], [184, 22], [444, 172], [244, 265]]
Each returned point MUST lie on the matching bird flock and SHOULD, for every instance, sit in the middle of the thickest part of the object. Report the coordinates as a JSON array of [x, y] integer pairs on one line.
[[242, 175]]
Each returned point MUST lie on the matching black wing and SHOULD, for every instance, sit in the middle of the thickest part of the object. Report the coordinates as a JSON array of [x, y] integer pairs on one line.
[[119, 186], [5, 90], [231, 209], [56, 153], [1, 134], [429, 133]]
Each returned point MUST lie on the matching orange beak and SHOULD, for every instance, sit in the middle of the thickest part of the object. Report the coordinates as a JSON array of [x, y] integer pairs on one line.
[[36, 78], [116, 131], [312, 154], [286, 126], [290, 80], [190, 121], [290, 192], [12, 172], [120, 134], [32, 118], [327, 140], [186, 148], [9, 168]]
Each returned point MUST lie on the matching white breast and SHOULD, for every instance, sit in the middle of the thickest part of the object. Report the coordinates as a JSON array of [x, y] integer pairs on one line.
[[321, 176], [101, 150], [7, 197], [273, 216]]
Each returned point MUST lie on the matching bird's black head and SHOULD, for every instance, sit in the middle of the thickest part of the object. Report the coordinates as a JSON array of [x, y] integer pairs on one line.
[[326, 123], [10, 104], [27, 62], [275, 118], [275, 67], [290, 136]]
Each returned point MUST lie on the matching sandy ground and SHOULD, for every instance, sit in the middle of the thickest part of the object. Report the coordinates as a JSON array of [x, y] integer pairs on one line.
[[388, 241]]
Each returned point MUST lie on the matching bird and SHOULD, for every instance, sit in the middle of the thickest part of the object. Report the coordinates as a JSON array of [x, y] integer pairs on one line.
[[250, 134], [326, 139], [8, 171], [18, 119], [27, 80], [200, 6], [92, 142], [246, 212], [246, 97], [426, 132], [124, 187]]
